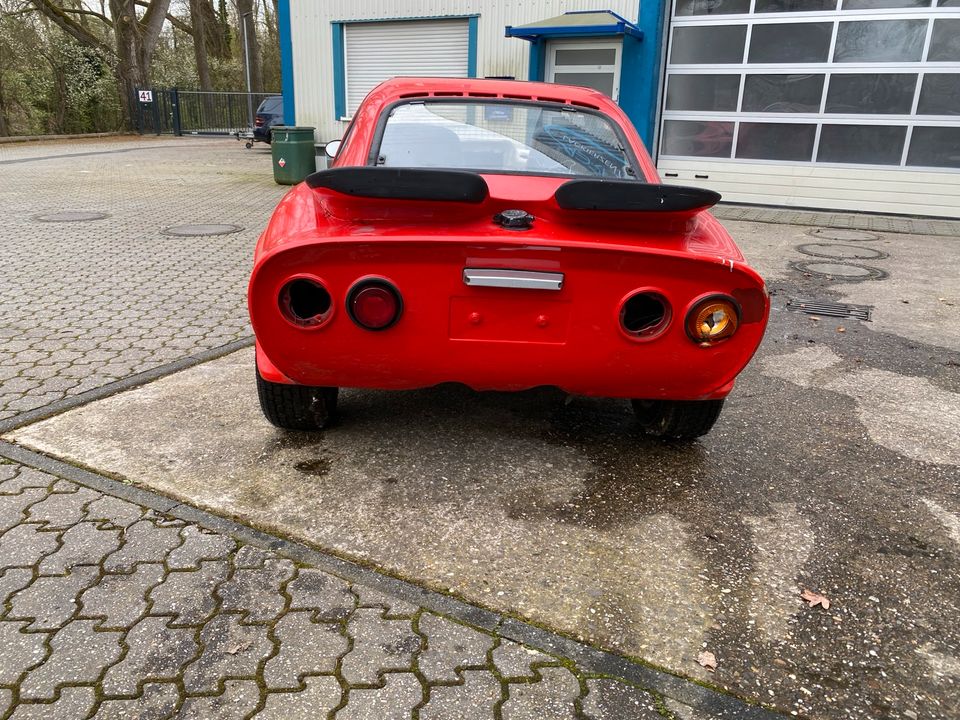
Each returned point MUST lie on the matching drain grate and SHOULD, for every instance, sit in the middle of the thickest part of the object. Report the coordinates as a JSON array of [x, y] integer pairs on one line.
[[838, 251], [70, 216], [839, 270], [831, 309], [201, 230], [843, 235]]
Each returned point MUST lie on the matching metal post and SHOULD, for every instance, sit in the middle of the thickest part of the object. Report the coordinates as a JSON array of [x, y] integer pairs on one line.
[[155, 106], [246, 57], [175, 107], [139, 105]]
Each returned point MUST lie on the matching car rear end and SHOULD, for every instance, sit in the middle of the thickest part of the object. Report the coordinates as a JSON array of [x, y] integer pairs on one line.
[[269, 113], [388, 293], [502, 235]]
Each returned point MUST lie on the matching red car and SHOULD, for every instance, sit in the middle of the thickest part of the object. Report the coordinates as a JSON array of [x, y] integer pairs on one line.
[[503, 235]]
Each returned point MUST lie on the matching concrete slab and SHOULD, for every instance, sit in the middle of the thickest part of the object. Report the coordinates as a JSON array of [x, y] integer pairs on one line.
[[560, 512], [919, 299]]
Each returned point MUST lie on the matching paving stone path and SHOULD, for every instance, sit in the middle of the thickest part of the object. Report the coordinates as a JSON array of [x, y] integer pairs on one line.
[[112, 610], [83, 304]]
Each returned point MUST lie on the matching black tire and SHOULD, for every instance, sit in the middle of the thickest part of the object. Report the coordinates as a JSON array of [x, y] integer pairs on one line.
[[297, 407], [677, 419]]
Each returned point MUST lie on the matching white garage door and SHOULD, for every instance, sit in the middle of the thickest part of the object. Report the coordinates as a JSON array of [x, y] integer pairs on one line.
[[845, 104], [375, 51]]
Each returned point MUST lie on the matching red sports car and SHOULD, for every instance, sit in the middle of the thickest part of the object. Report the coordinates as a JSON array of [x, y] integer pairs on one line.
[[503, 235]]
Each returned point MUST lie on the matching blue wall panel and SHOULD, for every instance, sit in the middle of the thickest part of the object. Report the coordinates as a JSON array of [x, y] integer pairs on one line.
[[286, 63], [339, 76], [472, 23], [644, 67]]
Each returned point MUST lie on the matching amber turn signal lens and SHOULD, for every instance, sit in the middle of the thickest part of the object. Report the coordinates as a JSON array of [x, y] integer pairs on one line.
[[713, 320]]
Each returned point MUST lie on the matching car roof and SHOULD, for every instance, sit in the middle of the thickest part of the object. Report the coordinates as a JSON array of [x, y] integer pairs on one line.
[[406, 87]]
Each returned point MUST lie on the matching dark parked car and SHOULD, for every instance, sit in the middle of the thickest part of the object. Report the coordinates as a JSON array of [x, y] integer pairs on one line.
[[269, 113]]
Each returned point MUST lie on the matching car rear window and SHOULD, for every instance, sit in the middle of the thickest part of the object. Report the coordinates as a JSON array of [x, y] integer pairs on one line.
[[504, 137], [271, 105]]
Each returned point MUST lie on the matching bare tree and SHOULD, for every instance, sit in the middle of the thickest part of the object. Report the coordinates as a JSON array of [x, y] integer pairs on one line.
[[135, 37], [136, 40]]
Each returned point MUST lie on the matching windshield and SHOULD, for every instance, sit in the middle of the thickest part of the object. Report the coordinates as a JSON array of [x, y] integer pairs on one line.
[[504, 137]]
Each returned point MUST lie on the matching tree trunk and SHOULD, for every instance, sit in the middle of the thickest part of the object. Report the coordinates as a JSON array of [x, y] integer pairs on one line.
[[270, 20], [130, 75], [223, 22], [199, 20], [4, 123], [218, 43], [136, 40]]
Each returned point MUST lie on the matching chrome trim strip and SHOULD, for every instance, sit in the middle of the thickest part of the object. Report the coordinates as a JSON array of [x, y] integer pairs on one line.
[[525, 279]]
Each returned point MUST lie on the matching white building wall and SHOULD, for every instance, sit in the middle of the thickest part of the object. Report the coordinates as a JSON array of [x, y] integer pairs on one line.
[[312, 40]]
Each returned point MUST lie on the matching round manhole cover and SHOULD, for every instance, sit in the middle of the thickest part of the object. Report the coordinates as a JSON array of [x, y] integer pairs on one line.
[[201, 230], [841, 252], [70, 216], [843, 235], [839, 271]]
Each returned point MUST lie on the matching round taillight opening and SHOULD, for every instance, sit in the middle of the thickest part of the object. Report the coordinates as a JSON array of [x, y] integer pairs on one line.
[[644, 314], [374, 304], [305, 302], [713, 319]]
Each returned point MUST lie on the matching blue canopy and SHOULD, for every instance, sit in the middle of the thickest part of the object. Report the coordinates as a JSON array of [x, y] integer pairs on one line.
[[579, 23]]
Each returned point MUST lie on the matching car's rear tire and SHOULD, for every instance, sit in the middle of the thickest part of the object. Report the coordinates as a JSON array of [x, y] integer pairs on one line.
[[297, 407], [677, 419]]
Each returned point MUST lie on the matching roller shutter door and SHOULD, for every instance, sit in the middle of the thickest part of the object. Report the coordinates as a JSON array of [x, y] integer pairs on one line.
[[376, 51], [839, 104]]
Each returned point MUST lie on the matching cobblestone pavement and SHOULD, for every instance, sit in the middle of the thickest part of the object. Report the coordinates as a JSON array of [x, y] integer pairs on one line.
[[83, 304], [111, 610]]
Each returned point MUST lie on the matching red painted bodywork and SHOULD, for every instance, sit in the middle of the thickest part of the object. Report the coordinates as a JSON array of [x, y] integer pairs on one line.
[[499, 338]]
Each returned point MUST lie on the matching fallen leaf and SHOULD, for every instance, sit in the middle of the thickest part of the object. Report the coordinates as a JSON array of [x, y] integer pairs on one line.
[[237, 647], [708, 660], [841, 329], [815, 599]]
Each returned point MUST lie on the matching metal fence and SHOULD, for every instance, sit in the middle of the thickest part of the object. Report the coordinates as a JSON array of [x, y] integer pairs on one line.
[[193, 112]]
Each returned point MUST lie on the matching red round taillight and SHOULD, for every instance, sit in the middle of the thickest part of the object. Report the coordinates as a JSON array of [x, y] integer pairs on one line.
[[374, 304]]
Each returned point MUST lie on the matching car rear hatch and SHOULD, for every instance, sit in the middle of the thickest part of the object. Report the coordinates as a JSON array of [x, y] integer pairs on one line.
[[502, 300]]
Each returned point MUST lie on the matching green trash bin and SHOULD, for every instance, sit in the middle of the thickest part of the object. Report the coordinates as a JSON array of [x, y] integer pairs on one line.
[[293, 153]]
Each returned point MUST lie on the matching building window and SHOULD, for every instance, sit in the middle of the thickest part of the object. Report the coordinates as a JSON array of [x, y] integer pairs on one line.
[[852, 82]]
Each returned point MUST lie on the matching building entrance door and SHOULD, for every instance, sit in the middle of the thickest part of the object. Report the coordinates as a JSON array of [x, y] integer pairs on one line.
[[588, 63]]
